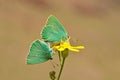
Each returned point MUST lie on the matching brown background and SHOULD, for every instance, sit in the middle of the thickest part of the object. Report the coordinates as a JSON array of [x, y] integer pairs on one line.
[[92, 23]]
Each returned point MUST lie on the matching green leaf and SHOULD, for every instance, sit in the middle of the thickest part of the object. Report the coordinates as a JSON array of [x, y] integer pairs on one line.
[[52, 75]]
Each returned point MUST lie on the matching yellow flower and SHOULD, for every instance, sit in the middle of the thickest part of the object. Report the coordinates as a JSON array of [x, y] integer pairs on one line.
[[66, 45]]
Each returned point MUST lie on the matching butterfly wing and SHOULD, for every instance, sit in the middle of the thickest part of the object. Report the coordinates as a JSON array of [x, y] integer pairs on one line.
[[51, 33], [39, 52], [54, 31]]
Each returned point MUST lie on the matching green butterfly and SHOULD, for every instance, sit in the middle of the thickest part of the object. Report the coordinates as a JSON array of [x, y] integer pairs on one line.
[[39, 52], [54, 31]]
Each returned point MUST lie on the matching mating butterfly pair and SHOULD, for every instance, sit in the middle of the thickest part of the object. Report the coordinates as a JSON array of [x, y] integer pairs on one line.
[[53, 32]]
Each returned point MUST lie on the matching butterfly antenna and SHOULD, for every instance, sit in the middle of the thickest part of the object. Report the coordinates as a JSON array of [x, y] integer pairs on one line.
[[56, 64], [52, 64]]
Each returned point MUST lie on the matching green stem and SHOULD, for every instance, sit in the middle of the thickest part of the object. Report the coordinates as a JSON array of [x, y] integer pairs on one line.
[[59, 54], [62, 65]]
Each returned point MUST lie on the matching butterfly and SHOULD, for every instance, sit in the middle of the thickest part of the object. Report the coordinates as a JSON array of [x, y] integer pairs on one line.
[[54, 31], [39, 52]]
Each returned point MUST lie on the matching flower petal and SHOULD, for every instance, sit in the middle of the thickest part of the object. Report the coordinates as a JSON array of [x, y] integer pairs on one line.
[[61, 49], [66, 45], [79, 47], [73, 49]]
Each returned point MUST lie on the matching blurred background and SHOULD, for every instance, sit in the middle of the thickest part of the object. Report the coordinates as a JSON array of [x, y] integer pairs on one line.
[[92, 23]]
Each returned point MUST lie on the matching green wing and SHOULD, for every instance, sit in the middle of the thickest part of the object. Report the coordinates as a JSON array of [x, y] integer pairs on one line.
[[39, 52], [54, 31]]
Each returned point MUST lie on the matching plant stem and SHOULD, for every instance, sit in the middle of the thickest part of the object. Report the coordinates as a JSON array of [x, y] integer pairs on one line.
[[62, 65], [59, 54]]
